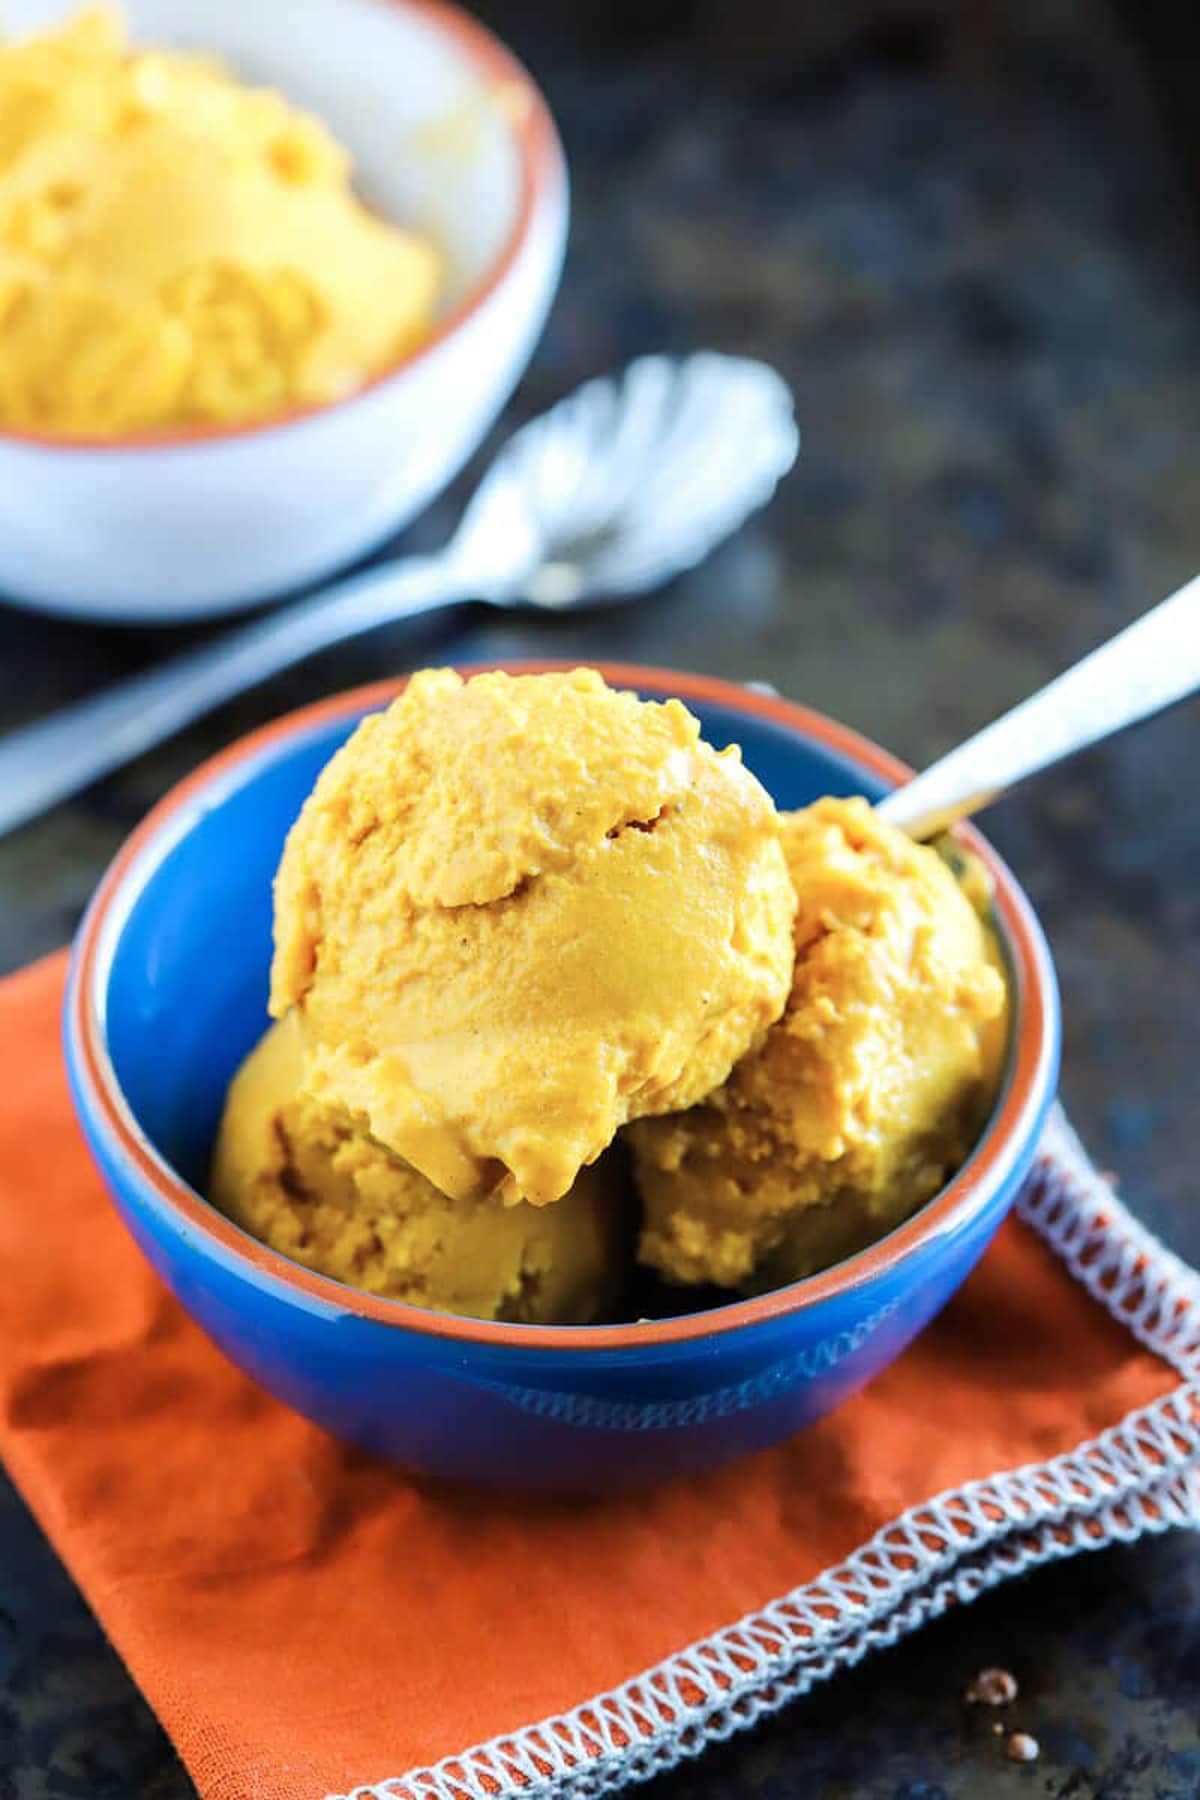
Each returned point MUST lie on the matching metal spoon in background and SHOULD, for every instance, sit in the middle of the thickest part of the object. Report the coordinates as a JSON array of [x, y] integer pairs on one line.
[[611, 493], [1151, 664]]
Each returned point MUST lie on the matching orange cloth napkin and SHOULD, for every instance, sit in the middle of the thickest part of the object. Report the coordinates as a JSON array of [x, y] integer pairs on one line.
[[304, 1618]]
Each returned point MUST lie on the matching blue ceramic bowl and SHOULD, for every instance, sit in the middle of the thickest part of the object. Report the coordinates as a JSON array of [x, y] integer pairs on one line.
[[168, 992]]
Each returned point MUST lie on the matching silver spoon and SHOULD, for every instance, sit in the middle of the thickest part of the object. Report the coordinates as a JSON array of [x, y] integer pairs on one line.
[[613, 492], [1151, 664]]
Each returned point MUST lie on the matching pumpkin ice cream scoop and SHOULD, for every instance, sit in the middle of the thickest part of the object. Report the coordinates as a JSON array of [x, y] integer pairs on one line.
[[179, 249], [867, 1094], [518, 911], [300, 1177]]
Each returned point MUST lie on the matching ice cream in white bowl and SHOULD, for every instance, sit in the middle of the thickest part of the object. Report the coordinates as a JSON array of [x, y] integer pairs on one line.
[[449, 137]]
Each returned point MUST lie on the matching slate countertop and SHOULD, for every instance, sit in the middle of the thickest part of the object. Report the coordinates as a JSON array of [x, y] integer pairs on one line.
[[978, 272]]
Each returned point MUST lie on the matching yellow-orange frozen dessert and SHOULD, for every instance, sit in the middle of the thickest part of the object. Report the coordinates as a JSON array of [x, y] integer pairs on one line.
[[176, 248], [864, 1097], [518, 911], [297, 1175]]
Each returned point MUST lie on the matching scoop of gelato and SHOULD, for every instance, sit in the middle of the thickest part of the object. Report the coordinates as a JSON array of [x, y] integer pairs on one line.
[[298, 1176], [517, 911], [177, 248], [867, 1093]]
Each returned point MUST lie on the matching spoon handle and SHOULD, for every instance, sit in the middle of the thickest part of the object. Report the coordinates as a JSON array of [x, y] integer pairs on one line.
[[43, 763], [1151, 664]]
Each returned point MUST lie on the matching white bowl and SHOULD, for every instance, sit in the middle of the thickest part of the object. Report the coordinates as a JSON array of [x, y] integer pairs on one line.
[[450, 134]]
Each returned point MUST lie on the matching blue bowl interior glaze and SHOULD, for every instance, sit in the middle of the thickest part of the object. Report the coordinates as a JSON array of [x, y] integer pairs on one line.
[[175, 1043]]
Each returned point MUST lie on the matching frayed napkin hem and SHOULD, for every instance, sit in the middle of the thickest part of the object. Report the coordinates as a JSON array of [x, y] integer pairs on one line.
[[1138, 1478]]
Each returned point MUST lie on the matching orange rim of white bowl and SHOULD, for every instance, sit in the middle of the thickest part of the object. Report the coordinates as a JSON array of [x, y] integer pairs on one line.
[[1026, 1092], [541, 165]]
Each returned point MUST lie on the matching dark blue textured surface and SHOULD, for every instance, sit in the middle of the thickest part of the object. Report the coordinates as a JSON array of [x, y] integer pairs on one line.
[[978, 267]]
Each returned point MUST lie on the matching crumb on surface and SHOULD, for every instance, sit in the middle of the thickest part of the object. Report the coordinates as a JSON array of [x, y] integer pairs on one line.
[[992, 1687]]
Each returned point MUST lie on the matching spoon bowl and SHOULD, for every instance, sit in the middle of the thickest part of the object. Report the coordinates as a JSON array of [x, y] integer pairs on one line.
[[630, 482]]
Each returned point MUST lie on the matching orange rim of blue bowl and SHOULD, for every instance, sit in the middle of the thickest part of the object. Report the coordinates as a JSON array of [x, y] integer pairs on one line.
[[1033, 1055], [541, 164]]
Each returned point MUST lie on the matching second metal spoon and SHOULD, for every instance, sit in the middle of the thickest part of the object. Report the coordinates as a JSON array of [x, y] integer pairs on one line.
[[1151, 664]]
